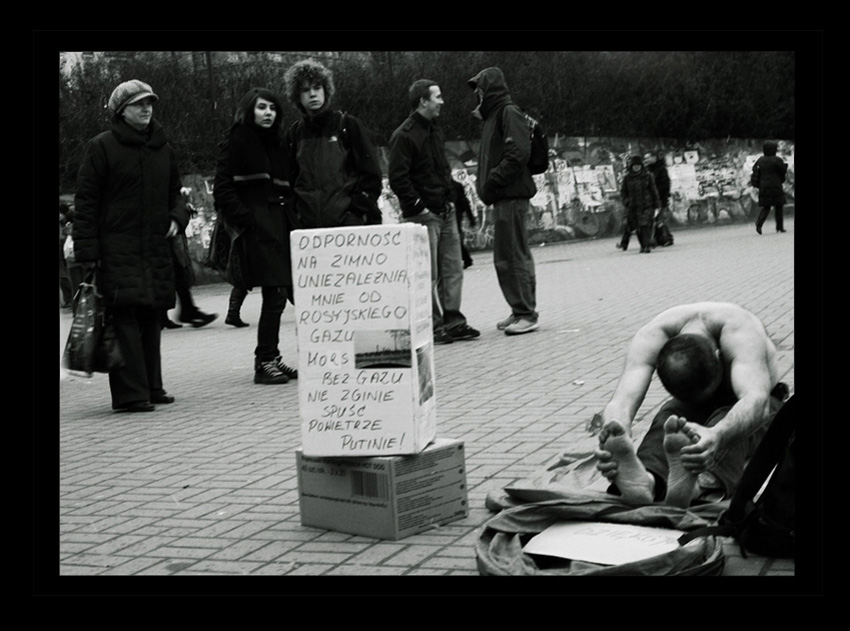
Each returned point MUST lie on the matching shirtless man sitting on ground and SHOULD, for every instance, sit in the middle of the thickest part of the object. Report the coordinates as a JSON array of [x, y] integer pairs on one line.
[[719, 365]]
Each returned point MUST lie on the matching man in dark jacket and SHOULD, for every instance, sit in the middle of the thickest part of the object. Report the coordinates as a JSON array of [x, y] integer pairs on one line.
[[658, 168], [421, 178], [768, 176], [505, 182], [332, 162], [128, 207], [640, 197]]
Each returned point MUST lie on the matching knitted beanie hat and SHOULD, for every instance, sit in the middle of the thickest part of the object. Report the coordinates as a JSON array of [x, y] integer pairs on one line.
[[129, 92]]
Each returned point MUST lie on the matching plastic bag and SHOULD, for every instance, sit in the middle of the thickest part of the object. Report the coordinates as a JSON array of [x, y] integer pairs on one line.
[[92, 344]]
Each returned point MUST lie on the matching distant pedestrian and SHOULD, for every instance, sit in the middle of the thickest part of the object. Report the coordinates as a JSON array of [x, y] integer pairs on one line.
[[127, 209], [184, 278], [421, 178], [250, 189], [768, 176], [66, 289], [640, 197], [505, 182], [661, 234], [463, 209]]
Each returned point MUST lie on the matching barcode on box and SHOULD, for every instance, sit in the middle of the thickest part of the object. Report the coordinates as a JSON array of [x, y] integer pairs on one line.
[[367, 484]]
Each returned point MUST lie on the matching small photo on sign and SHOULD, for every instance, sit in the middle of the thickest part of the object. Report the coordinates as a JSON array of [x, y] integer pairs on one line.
[[382, 349], [424, 361]]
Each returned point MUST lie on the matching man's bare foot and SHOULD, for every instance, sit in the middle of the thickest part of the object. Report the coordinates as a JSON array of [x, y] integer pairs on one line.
[[681, 483], [636, 484]]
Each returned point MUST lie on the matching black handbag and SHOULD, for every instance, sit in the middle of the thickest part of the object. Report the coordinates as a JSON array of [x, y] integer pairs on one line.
[[92, 344], [228, 255]]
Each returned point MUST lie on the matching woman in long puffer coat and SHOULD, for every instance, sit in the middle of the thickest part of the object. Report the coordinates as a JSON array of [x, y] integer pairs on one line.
[[250, 189], [126, 209], [768, 176]]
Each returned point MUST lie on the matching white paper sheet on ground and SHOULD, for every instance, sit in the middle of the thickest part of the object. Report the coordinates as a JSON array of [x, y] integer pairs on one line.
[[603, 543]]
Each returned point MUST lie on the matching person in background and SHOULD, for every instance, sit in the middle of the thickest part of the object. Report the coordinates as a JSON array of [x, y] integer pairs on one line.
[[640, 197], [65, 287], [184, 278], [505, 182], [768, 176], [332, 162], [251, 187], [463, 209], [421, 178], [661, 234], [127, 209]]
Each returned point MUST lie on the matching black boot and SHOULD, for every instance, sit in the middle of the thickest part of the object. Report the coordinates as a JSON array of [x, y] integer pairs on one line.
[[234, 306]]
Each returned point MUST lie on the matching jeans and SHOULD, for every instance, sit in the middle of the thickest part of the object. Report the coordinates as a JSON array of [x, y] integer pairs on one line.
[[268, 329], [512, 257], [730, 463], [446, 267]]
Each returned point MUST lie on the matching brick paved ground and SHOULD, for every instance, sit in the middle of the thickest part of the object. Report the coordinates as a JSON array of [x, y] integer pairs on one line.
[[207, 486]]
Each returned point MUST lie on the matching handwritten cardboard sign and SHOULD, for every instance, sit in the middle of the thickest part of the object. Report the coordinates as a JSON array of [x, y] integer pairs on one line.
[[365, 341]]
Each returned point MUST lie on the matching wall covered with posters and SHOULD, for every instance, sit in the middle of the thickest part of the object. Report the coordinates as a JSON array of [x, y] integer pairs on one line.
[[578, 197]]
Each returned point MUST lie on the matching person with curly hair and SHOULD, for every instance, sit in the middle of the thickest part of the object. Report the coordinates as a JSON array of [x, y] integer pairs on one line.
[[332, 161]]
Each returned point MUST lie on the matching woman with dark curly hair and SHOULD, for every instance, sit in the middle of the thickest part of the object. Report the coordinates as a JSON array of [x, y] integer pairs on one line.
[[250, 189], [332, 162]]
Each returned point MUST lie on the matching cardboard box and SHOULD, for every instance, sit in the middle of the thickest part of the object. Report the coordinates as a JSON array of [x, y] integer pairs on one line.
[[386, 497], [365, 340]]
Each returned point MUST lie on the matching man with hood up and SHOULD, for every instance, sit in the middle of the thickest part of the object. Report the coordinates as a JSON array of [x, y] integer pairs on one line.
[[333, 165], [505, 182], [768, 176]]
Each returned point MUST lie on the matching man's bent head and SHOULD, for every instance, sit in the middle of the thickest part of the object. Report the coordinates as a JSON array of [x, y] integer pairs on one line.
[[689, 367]]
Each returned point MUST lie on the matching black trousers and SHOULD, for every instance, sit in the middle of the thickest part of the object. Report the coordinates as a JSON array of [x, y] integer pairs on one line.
[[138, 330], [778, 215]]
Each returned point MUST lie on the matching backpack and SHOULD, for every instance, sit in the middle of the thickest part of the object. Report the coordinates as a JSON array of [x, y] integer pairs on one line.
[[763, 523], [538, 159], [500, 546]]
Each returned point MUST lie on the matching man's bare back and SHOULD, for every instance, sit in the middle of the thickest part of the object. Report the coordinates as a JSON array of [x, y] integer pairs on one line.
[[750, 371]]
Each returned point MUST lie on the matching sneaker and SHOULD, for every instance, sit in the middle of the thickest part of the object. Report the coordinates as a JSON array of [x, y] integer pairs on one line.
[[504, 324], [442, 337], [291, 373], [268, 373], [522, 325], [464, 332]]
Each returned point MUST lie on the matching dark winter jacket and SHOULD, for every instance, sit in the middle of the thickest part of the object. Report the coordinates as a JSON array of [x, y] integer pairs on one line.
[[662, 180], [250, 190], [128, 192], [334, 170], [768, 176], [505, 141], [640, 196], [419, 172]]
